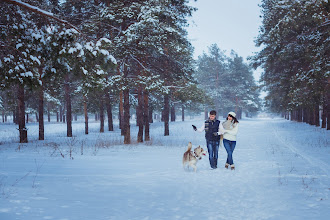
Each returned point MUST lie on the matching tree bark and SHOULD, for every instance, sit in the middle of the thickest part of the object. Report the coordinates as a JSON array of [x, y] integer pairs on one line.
[[300, 114], [48, 112], [109, 110], [21, 115], [151, 119], [86, 114], [182, 113], [173, 112], [146, 116], [126, 123], [61, 113], [121, 113], [101, 115], [317, 115], [166, 115], [139, 115], [68, 107], [41, 114], [311, 116]]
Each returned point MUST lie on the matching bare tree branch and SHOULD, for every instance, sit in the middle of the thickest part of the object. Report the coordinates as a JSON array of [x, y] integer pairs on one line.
[[41, 12]]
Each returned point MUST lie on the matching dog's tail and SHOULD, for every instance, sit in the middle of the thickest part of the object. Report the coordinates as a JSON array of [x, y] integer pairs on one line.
[[189, 146]]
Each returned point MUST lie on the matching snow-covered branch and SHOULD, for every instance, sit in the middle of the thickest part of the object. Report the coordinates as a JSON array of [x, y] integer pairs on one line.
[[41, 12]]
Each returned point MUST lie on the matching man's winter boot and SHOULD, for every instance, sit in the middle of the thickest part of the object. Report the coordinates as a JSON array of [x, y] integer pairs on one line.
[[226, 165]]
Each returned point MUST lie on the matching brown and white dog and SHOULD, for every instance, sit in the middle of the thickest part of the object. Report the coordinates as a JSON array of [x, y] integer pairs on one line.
[[191, 158]]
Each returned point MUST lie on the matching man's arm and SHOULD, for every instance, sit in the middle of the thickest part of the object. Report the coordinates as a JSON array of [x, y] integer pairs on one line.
[[201, 129]]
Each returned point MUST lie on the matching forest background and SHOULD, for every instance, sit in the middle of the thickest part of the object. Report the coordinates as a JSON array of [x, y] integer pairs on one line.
[[123, 58]]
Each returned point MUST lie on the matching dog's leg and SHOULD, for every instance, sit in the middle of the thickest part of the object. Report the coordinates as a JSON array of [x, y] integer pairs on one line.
[[194, 167]]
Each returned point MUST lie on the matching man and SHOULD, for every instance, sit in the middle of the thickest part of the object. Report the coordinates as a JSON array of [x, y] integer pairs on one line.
[[213, 129]]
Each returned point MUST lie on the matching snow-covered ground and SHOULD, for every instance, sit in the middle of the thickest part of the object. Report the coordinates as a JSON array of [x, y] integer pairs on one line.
[[282, 172]]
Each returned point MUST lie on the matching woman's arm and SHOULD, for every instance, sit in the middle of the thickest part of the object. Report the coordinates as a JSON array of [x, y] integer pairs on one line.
[[232, 131], [221, 130]]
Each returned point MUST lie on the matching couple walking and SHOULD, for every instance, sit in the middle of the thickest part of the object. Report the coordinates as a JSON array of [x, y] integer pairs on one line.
[[213, 129]]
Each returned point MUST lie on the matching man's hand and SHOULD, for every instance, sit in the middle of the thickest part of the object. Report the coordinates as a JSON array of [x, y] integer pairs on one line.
[[194, 127], [215, 134]]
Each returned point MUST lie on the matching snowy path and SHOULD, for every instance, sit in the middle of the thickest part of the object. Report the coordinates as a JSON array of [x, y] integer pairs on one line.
[[282, 172]]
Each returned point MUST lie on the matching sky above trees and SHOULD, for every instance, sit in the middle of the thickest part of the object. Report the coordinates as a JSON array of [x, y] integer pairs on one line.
[[232, 25]]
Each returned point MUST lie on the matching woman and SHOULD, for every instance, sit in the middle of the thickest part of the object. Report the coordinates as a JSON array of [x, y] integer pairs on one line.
[[229, 138]]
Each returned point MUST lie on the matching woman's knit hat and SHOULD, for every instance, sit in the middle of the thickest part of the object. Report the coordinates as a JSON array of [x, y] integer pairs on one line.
[[232, 114]]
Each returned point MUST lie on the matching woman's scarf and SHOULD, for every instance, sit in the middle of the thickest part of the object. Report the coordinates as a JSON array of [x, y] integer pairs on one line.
[[228, 125]]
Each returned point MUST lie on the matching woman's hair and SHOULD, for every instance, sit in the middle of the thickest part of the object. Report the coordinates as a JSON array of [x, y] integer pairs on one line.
[[234, 119]]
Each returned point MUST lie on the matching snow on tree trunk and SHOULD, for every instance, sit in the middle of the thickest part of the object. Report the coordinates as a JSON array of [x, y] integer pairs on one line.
[[21, 115]]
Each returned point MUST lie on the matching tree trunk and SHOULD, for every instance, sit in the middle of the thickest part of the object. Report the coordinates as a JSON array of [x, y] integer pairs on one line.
[[101, 115], [57, 116], [15, 121], [139, 115], [299, 114], [27, 118], [48, 112], [151, 119], [109, 110], [61, 113], [166, 115], [146, 116], [173, 112], [68, 107], [121, 113], [327, 112], [41, 114], [21, 115], [317, 115], [86, 114], [311, 117], [182, 112], [126, 118]]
